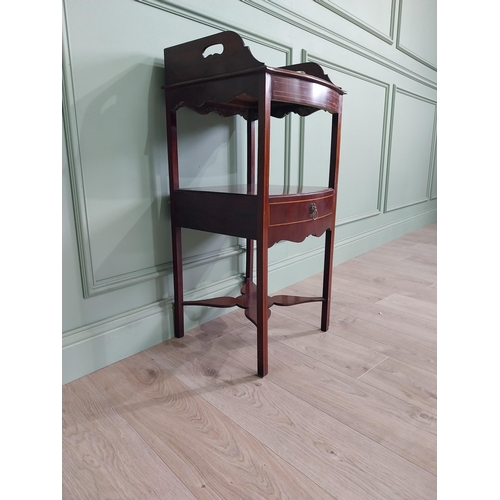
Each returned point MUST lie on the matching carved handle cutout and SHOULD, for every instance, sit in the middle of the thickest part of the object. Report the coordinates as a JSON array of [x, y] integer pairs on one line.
[[211, 50]]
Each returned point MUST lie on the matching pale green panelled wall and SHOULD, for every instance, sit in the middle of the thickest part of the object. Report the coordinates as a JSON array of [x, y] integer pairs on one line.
[[117, 283]]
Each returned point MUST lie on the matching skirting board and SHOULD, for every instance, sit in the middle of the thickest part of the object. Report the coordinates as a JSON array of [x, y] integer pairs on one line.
[[95, 346], [100, 344]]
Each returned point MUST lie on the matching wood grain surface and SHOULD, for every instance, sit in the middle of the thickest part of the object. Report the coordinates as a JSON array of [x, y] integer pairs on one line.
[[104, 457], [212, 455]]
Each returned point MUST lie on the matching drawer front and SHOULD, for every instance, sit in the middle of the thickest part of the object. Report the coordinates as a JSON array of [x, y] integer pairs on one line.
[[303, 211]]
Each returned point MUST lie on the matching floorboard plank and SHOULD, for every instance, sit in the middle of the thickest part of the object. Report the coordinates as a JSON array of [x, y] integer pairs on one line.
[[405, 382], [410, 305], [347, 357], [390, 283], [387, 255], [380, 314], [103, 456], [413, 351]]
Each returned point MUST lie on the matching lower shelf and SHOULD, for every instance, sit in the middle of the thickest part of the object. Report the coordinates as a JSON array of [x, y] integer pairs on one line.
[[248, 301]]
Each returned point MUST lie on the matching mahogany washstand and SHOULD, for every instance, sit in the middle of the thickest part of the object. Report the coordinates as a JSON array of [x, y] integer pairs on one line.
[[235, 83]]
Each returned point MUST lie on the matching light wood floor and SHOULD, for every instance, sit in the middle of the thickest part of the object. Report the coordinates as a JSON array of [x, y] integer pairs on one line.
[[346, 414]]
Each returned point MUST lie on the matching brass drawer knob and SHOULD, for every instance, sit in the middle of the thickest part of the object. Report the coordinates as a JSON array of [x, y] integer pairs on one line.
[[313, 210]]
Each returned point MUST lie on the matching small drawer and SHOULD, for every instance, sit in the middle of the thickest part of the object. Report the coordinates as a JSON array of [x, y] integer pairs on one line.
[[301, 210]]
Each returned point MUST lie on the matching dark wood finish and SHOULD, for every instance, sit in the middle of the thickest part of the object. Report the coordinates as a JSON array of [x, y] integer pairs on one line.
[[173, 159], [250, 183], [223, 213], [235, 83], [295, 218], [264, 147], [330, 234], [186, 62], [304, 208], [233, 212]]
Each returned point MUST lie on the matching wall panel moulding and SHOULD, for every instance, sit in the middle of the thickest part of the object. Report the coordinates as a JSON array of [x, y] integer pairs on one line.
[[377, 18], [411, 150]]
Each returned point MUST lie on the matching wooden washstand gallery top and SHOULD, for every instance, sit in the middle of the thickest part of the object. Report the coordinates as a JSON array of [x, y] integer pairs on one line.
[[228, 83]]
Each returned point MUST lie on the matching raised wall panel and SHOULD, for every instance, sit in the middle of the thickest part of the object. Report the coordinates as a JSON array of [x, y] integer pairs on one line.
[[124, 184], [411, 151], [363, 144], [417, 30], [374, 16]]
